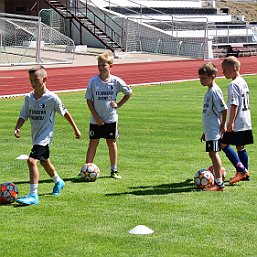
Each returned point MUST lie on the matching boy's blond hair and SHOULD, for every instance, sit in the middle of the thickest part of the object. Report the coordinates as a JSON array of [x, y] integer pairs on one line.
[[231, 61], [208, 68], [106, 57]]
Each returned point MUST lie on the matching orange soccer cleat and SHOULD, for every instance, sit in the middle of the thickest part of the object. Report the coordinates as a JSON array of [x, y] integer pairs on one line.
[[247, 178], [214, 187], [239, 177]]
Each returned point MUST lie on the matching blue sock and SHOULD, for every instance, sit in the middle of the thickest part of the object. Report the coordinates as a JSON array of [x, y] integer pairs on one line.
[[234, 159], [243, 156]]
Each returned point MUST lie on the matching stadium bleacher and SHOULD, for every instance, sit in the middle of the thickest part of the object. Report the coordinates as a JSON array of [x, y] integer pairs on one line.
[[188, 28], [223, 29]]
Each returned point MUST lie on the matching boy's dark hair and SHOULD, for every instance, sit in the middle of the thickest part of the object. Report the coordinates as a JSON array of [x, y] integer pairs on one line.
[[208, 68], [36, 68]]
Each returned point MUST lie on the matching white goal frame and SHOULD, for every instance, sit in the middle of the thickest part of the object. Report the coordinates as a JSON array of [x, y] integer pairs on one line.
[[25, 40]]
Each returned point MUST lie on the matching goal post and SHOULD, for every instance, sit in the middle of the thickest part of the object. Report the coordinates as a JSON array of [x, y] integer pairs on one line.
[[26, 40]]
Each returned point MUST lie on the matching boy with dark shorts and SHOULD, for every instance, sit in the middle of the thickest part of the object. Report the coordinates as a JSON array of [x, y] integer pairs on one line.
[[213, 121], [101, 97], [239, 126], [40, 107]]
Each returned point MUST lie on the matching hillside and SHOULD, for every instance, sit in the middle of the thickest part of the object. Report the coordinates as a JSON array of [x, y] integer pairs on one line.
[[248, 9]]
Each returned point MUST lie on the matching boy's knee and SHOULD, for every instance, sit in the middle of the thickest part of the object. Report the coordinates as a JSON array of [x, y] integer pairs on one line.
[[111, 143], [43, 162], [31, 161], [240, 147]]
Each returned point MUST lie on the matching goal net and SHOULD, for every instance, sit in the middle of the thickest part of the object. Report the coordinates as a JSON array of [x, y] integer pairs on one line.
[[26, 40], [172, 37]]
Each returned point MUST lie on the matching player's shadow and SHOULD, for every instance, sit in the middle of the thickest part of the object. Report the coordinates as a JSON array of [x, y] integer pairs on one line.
[[42, 181], [80, 180], [163, 189]]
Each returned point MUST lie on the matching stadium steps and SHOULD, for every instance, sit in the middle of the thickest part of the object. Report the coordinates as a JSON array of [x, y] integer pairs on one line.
[[102, 31]]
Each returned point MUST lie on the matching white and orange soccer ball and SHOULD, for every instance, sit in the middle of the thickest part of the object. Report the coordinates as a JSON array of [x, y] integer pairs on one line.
[[223, 172], [203, 178], [90, 172], [8, 193]]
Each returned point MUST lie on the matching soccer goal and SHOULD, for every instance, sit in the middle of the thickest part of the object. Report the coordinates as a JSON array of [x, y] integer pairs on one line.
[[26, 40], [168, 37]]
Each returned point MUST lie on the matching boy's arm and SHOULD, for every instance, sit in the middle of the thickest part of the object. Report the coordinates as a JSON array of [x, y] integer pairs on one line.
[[233, 112], [19, 124], [68, 117], [123, 100], [223, 121], [94, 113]]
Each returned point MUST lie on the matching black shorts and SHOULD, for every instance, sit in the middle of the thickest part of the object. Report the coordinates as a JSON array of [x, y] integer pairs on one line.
[[238, 138], [107, 131], [40, 152], [213, 145]]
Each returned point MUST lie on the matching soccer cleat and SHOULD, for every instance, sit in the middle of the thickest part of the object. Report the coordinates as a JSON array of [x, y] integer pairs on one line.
[[115, 174], [28, 199], [247, 178], [214, 187], [58, 188], [239, 177]]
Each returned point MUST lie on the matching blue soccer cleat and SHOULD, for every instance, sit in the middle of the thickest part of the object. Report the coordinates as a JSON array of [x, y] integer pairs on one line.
[[58, 188], [28, 199]]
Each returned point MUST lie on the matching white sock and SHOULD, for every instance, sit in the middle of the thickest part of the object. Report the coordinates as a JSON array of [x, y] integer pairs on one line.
[[114, 167], [56, 178], [33, 189], [218, 181]]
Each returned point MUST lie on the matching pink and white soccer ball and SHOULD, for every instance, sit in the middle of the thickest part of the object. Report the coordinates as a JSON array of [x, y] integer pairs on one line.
[[90, 172], [203, 178]]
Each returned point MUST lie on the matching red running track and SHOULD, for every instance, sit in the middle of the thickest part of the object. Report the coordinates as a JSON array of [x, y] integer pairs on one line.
[[14, 82]]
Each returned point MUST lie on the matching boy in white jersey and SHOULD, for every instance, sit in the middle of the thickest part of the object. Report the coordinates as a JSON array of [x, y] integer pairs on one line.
[[39, 107], [213, 120], [101, 97], [239, 127]]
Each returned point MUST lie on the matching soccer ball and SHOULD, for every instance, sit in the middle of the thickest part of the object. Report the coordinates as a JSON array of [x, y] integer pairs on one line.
[[8, 193], [203, 178], [89, 172], [223, 172]]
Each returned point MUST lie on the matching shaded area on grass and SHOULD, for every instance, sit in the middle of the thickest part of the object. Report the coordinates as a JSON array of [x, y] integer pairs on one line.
[[163, 189]]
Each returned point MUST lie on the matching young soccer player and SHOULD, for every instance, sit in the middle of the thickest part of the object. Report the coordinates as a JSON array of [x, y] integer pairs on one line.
[[39, 107], [239, 127], [101, 98], [213, 121]]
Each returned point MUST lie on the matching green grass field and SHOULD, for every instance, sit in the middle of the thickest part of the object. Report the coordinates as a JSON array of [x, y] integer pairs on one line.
[[159, 153]]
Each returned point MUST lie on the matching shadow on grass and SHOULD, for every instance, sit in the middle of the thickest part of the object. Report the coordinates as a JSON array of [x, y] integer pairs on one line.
[[163, 189], [73, 180]]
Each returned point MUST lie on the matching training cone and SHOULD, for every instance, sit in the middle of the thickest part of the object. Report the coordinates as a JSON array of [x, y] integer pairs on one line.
[[141, 230], [22, 157]]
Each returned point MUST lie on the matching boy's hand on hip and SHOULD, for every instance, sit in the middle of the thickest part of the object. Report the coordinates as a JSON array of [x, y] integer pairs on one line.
[[114, 104]]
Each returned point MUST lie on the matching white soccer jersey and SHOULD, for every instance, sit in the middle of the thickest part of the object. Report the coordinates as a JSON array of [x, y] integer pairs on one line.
[[41, 113], [213, 105], [238, 94], [102, 94]]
